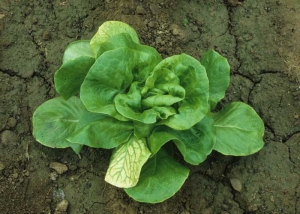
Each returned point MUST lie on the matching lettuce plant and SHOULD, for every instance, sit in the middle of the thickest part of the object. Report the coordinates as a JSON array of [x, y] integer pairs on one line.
[[116, 93]]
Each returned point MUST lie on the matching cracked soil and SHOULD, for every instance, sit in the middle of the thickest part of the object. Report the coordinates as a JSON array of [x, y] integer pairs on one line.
[[260, 39]]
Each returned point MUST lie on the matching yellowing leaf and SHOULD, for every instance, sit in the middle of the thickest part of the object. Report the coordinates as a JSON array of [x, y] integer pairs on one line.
[[126, 163], [109, 29]]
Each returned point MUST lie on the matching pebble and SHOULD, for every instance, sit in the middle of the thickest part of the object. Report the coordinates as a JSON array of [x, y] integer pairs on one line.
[[195, 28], [253, 207], [62, 206], [140, 10], [9, 137], [26, 173], [2, 166], [15, 175], [53, 176], [151, 24], [158, 40], [27, 73], [46, 35], [234, 2], [58, 167], [174, 29], [11, 122], [154, 9], [236, 184]]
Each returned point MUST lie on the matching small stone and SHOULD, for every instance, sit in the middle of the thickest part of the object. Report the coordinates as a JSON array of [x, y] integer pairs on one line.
[[73, 178], [2, 166], [46, 35], [154, 9], [26, 173], [15, 175], [9, 137], [234, 2], [58, 167], [151, 24], [158, 40], [140, 10], [236, 184], [32, 168], [175, 30], [253, 207], [62, 206], [53, 176], [27, 73], [195, 28], [11, 122], [185, 212]]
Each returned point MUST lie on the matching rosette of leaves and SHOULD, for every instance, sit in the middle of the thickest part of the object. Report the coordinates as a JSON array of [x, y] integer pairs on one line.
[[116, 93]]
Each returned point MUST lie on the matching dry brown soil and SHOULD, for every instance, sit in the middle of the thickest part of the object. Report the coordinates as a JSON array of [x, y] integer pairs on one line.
[[260, 38]]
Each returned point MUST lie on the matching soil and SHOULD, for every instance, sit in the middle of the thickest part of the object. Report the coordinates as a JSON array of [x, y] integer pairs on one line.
[[260, 38]]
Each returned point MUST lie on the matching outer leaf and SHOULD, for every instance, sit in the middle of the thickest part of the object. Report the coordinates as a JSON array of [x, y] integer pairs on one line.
[[218, 72], [125, 40], [76, 147], [105, 133], [192, 75], [109, 29], [71, 74], [239, 130], [78, 49], [160, 179], [194, 144], [126, 163], [57, 118]]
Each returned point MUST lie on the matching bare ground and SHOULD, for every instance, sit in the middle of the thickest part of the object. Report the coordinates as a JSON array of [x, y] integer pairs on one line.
[[260, 40]]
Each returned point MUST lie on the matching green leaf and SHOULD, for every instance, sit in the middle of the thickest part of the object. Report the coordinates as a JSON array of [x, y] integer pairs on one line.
[[142, 130], [126, 163], [125, 40], [141, 72], [78, 49], [193, 79], [160, 179], [109, 29], [112, 74], [239, 130], [162, 88], [77, 60], [76, 147], [195, 144], [69, 77], [218, 72], [56, 119], [129, 105], [104, 133]]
